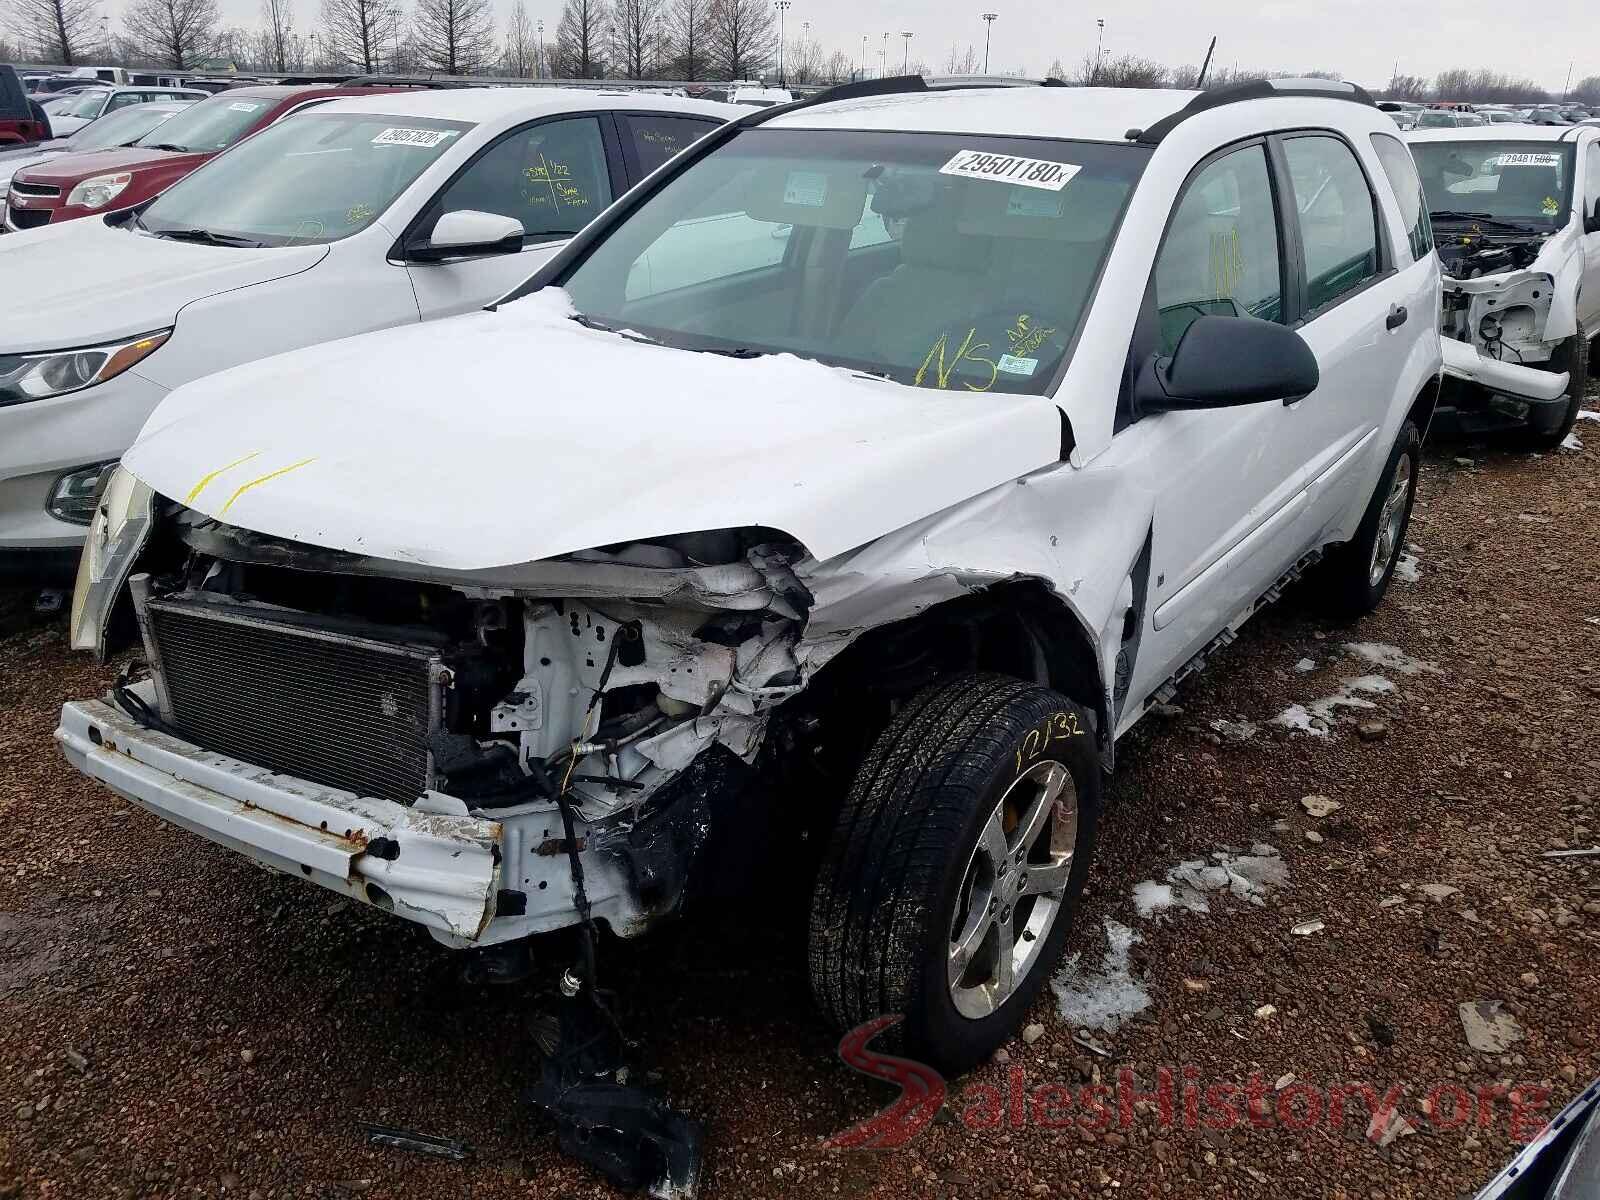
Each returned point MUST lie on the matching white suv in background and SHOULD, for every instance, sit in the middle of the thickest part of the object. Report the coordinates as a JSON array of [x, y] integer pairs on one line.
[[355, 215], [1516, 218], [549, 615]]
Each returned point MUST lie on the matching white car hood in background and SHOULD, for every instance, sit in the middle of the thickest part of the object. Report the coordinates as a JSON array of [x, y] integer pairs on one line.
[[496, 439], [83, 281]]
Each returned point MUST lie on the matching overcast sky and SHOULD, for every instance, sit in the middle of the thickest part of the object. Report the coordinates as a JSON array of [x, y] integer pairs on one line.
[[1361, 39]]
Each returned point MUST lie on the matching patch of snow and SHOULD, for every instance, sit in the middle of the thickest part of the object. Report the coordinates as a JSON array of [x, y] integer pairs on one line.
[[1588, 414], [1572, 442], [1392, 658], [1189, 885], [1101, 999], [1409, 568], [1306, 665], [1318, 717]]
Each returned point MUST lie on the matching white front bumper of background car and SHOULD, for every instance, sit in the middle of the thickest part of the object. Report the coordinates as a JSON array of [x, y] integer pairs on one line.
[[1464, 362]]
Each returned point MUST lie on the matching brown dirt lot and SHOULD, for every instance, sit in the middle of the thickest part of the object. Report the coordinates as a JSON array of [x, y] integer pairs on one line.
[[176, 1023]]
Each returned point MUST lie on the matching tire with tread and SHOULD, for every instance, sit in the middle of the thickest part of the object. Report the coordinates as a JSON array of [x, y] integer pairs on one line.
[[894, 865], [1577, 354], [1344, 577]]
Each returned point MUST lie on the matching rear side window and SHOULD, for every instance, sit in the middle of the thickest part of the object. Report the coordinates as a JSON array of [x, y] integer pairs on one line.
[[655, 139], [1592, 178], [1401, 169], [1336, 212], [1221, 256]]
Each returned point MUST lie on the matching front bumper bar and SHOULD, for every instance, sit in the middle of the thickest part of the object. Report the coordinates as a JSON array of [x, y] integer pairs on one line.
[[442, 872], [1526, 383]]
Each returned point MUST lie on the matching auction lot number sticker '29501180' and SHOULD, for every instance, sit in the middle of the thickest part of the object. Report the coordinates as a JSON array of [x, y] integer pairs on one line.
[[1007, 168]]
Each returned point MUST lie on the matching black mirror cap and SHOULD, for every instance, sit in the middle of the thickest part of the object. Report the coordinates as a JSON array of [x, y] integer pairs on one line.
[[427, 252], [1221, 362]]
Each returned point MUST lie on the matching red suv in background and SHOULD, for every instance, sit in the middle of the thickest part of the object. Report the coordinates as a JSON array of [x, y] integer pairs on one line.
[[21, 120], [109, 181]]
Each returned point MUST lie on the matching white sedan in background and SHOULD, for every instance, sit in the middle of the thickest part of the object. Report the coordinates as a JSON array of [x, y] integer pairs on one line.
[[91, 105], [356, 215]]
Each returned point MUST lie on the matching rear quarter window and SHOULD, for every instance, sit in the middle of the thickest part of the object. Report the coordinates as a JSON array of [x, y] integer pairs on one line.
[[1401, 171]]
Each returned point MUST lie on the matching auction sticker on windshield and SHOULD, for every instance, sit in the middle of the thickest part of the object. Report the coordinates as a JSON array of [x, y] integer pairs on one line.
[[243, 106], [1007, 168], [1529, 159], [426, 138]]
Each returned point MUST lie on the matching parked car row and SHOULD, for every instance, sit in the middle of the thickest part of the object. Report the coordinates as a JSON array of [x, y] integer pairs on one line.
[[848, 473]]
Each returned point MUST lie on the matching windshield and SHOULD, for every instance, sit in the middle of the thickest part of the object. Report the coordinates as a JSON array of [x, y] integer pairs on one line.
[[121, 127], [208, 126], [315, 177], [84, 104], [937, 260], [1524, 183], [1436, 120]]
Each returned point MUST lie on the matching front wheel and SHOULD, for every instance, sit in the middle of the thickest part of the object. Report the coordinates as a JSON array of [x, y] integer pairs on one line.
[[1574, 356], [1356, 575], [947, 888]]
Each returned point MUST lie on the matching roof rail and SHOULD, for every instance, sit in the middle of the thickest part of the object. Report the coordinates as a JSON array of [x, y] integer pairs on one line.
[[303, 80], [398, 81], [1256, 89], [861, 88]]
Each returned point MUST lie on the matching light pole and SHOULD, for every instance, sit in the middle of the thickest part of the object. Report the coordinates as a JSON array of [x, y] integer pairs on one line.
[[1099, 49], [988, 27], [863, 57], [883, 57], [782, 6], [538, 67], [906, 67]]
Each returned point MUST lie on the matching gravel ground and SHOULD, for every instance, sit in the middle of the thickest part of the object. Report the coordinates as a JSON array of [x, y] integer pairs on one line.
[[176, 1023]]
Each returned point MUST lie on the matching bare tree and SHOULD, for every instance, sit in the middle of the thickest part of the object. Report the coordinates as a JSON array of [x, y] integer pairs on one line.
[[687, 38], [1462, 83], [1586, 91], [172, 33], [453, 37], [803, 60], [62, 29], [1406, 87], [580, 40], [840, 68], [743, 37], [959, 62], [1056, 71], [637, 34], [1186, 78], [359, 32], [277, 17], [520, 57]]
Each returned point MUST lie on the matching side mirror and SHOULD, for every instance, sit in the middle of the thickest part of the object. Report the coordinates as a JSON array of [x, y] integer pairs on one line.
[[467, 233], [1226, 361], [1591, 223]]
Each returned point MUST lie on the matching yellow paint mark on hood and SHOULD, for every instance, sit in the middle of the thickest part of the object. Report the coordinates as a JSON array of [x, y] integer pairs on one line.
[[206, 479], [257, 482]]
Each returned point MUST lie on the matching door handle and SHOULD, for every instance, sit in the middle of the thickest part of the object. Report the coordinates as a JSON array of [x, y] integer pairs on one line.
[[1397, 317]]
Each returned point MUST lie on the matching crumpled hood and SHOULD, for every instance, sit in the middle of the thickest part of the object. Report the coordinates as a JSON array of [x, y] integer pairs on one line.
[[496, 439], [81, 282], [11, 164], [74, 168]]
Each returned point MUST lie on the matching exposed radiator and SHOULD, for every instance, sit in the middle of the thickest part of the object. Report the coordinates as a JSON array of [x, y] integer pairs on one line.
[[343, 711]]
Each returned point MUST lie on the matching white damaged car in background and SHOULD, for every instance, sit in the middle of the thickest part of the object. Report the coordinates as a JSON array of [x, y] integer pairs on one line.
[[850, 544], [1516, 218]]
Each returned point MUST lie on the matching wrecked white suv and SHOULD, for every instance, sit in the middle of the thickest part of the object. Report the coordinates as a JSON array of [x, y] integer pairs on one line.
[[881, 526], [1516, 218]]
